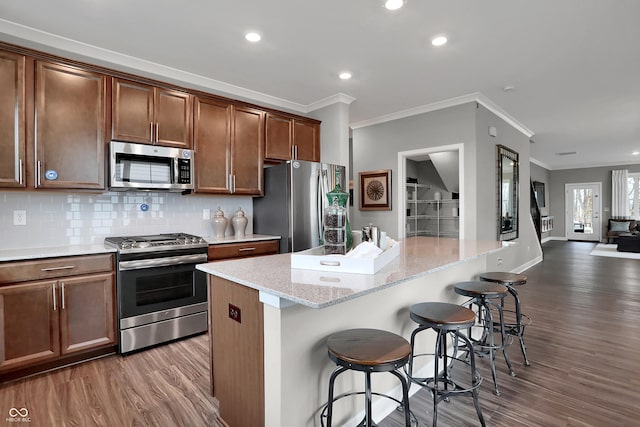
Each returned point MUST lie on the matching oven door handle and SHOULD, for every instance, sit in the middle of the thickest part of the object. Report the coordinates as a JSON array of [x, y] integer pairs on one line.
[[161, 262]]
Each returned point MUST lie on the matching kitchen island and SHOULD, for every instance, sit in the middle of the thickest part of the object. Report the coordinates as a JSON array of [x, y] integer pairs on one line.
[[269, 323]]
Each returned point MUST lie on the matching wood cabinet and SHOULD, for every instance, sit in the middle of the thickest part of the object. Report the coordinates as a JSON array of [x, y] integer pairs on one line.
[[69, 127], [243, 249], [151, 115], [228, 145], [12, 120], [43, 321], [288, 138]]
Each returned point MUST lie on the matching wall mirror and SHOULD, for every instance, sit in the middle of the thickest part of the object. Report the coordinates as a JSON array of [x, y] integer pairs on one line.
[[507, 184]]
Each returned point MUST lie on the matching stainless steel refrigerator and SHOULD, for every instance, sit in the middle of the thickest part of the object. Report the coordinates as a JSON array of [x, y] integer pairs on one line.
[[295, 195]]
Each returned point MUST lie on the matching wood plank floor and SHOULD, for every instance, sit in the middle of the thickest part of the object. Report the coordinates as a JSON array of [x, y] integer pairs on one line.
[[583, 345], [165, 386]]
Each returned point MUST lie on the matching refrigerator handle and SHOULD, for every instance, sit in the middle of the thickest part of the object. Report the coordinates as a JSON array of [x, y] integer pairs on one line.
[[319, 207]]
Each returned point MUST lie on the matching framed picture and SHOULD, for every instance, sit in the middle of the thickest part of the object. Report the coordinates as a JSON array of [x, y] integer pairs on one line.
[[375, 190]]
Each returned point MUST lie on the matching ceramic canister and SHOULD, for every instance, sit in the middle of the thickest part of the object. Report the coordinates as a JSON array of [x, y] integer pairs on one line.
[[219, 223], [239, 222]]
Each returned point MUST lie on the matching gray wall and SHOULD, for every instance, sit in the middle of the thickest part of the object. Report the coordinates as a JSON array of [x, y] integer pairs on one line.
[[376, 147], [558, 179]]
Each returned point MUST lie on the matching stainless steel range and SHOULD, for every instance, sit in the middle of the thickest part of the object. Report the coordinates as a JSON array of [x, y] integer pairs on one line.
[[161, 296]]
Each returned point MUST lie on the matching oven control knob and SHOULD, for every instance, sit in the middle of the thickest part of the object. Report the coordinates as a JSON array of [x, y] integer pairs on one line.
[[167, 314], [142, 244], [182, 240]]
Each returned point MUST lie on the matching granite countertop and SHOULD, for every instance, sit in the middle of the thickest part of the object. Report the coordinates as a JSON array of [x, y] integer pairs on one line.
[[53, 251], [419, 256], [233, 239]]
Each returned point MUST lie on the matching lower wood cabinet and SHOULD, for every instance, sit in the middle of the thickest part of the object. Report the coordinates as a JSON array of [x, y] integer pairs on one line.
[[45, 321], [243, 249]]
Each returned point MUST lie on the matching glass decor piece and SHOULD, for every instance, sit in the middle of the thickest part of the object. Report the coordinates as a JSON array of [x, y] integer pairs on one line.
[[335, 220], [342, 198]]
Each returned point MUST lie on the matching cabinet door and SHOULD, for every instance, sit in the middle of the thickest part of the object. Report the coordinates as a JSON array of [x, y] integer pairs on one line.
[[87, 318], [28, 324], [70, 127], [247, 140], [306, 138], [212, 144], [173, 118], [132, 112], [278, 137], [12, 126]]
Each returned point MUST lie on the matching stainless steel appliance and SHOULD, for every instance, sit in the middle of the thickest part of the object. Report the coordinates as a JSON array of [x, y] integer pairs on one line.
[[150, 167], [294, 199], [161, 296]]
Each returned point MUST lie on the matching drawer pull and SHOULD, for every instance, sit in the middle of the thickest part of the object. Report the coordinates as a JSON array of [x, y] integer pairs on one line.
[[66, 267], [62, 297], [246, 249], [331, 263], [53, 291]]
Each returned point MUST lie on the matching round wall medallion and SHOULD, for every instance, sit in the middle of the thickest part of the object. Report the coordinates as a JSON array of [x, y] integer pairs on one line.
[[375, 190]]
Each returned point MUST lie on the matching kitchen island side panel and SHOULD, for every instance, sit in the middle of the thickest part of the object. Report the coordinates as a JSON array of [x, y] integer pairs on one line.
[[237, 352]]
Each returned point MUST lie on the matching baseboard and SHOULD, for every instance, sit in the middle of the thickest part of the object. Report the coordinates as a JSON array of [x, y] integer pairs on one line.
[[528, 265], [546, 239]]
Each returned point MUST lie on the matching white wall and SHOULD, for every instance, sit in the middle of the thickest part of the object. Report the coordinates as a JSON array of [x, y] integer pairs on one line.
[[60, 219]]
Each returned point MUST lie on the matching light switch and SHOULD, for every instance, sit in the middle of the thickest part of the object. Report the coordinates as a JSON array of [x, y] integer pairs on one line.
[[19, 217]]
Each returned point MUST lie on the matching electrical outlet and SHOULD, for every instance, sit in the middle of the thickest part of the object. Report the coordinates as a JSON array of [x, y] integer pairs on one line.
[[500, 260], [19, 217], [206, 214], [235, 313]]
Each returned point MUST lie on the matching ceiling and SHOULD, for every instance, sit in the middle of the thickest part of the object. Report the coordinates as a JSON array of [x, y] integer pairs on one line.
[[574, 64]]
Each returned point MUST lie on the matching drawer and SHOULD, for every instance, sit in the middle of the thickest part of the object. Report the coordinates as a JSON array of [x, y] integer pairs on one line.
[[51, 268], [241, 250]]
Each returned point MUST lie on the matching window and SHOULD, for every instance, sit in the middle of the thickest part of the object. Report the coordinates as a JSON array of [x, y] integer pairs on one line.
[[633, 189]]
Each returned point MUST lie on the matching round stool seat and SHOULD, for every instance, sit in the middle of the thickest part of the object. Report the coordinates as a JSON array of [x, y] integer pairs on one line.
[[442, 315], [368, 349], [476, 288], [504, 277]]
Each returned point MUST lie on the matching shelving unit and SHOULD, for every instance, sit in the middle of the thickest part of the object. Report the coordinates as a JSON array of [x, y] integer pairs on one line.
[[428, 217]]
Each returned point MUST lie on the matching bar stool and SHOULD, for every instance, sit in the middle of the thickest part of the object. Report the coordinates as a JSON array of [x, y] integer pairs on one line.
[[367, 350], [522, 320], [445, 319], [483, 294]]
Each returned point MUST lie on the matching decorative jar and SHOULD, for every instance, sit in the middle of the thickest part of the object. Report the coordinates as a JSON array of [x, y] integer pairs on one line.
[[219, 223], [239, 223]]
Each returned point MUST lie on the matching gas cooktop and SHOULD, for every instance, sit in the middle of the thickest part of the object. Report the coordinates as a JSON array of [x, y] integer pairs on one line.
[[161, 242]]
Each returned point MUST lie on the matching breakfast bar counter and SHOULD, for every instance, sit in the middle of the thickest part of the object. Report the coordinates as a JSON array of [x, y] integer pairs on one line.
[[269, 323]]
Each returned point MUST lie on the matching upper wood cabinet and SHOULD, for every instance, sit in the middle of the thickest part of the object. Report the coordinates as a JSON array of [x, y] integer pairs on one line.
[[69, 127], [288, 138], [151, 115], [12, 120], [228, 144]]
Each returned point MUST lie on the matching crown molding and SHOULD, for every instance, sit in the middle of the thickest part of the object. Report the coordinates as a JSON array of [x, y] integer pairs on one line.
[[464, 99], [29, 37], [539, 163], [330, 100]]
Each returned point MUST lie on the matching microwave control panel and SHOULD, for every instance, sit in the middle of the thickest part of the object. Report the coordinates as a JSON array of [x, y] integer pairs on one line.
[[184, 171]]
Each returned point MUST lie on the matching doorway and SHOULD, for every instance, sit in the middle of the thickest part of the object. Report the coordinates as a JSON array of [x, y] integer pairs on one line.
[[429, 209], [582, 211]]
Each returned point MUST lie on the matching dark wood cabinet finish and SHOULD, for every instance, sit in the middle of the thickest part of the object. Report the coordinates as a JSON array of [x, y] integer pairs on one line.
[[243, 250], [290, 138], [29, 324], [279, 138], [228, 144], [151, 115], [247, 141], [306, 137], [44, 322], [237, 352], [12, 120], [69, 127], [87, 315]]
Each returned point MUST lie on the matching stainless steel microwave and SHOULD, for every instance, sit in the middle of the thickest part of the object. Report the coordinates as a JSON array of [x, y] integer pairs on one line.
[[149, 167]]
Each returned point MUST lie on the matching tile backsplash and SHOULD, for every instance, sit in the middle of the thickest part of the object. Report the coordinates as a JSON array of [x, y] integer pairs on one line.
[[57, 219]]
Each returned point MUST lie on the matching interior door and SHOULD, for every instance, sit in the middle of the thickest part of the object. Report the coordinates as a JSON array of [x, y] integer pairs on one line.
[[582, 211]]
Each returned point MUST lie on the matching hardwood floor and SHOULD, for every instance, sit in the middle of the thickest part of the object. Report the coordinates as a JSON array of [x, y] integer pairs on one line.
[[583, 344], [584, 348], [165, 386]]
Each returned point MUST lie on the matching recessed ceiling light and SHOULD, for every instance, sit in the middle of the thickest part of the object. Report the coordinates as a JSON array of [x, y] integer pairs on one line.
[[635, 153], [508, 88], [253, 37], [345, 75], [393, 4], [439, 41]]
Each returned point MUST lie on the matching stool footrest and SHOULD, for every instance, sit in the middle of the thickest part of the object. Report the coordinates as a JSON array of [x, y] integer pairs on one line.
[[323, 413]]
